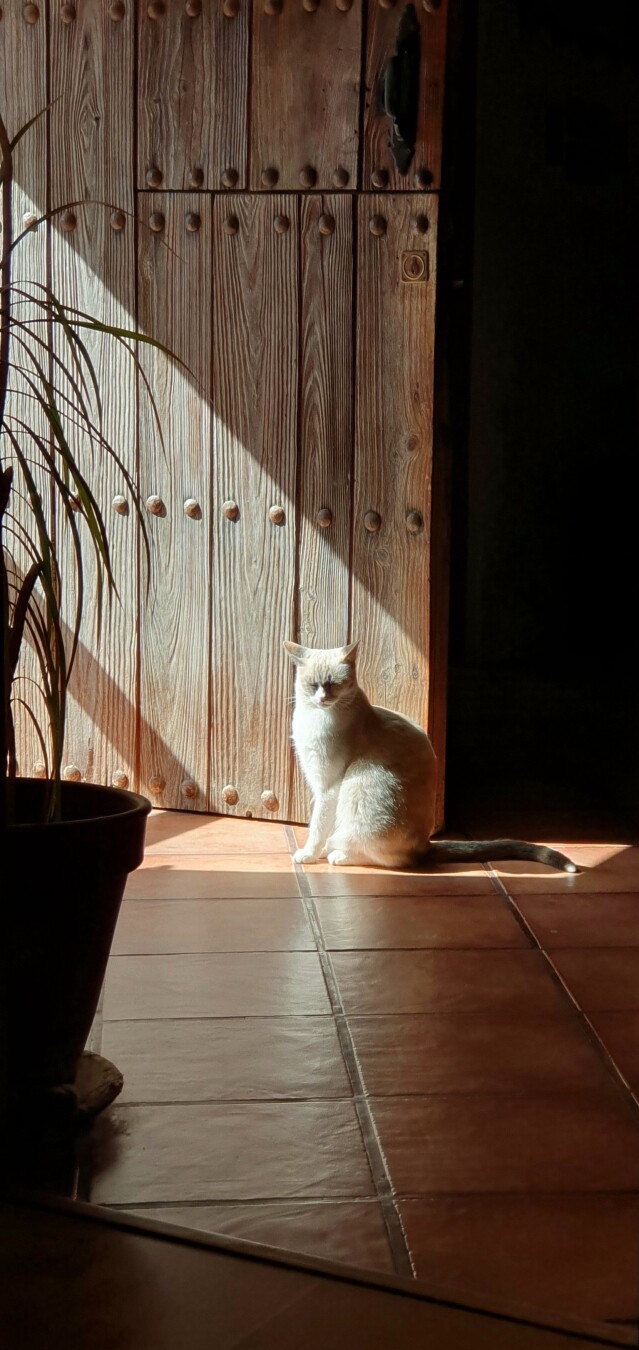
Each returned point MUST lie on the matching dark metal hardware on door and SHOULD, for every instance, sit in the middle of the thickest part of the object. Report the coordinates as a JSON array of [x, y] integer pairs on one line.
[[401, 90], [414, 266]]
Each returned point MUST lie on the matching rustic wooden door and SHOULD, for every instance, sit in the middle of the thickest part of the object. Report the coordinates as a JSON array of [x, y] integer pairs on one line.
[[257, 186]]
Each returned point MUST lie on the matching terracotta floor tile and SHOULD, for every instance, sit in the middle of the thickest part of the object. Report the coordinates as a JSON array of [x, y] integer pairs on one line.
[[572, 1255], [232, 1151], [267, 924], [323, 880], [351, 1232], [212, 877], [576, 1142], [353, 922], [619, 1032], [185, 832], [474, 1053], [231, 1058], [608, 919], [228, 984], [492, 982], [601, 977], [607, 867], [236, 1092], [300, 834]]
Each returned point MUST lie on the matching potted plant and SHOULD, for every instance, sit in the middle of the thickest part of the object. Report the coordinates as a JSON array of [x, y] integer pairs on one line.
[[67, 847]]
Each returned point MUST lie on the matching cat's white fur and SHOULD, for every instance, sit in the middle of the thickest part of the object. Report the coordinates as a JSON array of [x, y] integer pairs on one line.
[[372, 776], [371, 771]]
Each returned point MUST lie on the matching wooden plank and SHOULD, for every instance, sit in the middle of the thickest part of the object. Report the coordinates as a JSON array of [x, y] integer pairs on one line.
[[381, 37], [23, 93], [255, 361], [326, 422], [393, 448], [93, 269], [23, 87], [174, 307], [192, 92], [305, 94], [326, 428]]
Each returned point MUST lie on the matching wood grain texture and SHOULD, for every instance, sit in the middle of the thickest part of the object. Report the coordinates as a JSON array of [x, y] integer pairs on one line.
[[255, 355], [326, 422], [381, 35], [270, 314], [174, 307], [93, 270], [192, 94], [305, 93], [23, 93], [326, 428], [393, 448]]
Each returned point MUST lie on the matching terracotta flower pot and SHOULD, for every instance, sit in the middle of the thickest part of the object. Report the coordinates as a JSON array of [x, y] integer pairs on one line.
[[64, 885]]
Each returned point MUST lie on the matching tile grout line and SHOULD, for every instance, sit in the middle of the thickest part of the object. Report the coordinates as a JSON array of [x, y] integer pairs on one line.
[[246, 899], [590, 1031], [159, 1020], [340, 951], [94, 1045], [133, 1103], [372, 1146], [365, 1201]]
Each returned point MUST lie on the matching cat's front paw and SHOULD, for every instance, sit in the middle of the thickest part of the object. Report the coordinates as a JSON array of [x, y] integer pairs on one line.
[[305, 855], [337, 859]]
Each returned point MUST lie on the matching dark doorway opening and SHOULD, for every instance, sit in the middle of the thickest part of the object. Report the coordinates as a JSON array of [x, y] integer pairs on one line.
[[545, 582]]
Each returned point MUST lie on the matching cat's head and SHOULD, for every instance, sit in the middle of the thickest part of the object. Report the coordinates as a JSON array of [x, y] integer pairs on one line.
[[325, 676]]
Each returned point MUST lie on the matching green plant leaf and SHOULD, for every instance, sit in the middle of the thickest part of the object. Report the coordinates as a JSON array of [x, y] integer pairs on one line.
[[21, 702], [19, 615]]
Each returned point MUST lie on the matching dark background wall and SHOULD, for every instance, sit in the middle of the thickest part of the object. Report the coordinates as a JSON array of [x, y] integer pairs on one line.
[[545, 582]]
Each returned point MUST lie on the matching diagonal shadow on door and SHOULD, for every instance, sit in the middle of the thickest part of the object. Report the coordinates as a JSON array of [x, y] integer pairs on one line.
[[302, 438]]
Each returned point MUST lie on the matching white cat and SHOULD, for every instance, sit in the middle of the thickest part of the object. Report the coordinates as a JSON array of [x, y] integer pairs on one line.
[[372, 776]]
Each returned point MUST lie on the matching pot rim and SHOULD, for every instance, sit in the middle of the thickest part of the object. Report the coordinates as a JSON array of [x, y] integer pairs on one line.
[[136, 804]]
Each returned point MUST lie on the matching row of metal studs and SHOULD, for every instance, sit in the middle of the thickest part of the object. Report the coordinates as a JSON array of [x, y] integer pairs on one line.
[[192, 223], [193, 8], [281, 224], [276, 514], [269, 178], [189, 788]]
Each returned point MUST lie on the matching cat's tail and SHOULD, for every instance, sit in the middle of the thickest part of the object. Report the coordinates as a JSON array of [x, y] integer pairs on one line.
[[494, 850]]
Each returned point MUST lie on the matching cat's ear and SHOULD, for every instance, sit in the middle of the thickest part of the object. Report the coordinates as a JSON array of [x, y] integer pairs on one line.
[[348, 654], [297, 654]]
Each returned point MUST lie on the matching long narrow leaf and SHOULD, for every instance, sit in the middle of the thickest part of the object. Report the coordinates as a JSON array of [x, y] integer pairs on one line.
[[77, 545], [36, 117], [49, 575], [21, 702], [90, 506], [56, 363], [74, 340], [20, 614]]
